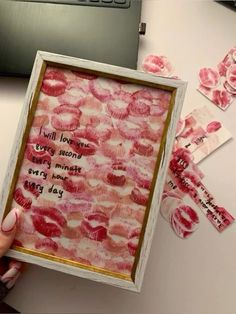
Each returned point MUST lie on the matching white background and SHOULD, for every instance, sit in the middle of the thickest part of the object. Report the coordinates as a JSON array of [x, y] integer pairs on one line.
[[193, 276]]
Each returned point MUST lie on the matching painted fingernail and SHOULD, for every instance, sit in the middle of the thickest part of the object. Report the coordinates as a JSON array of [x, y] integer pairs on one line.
[[10, 220], [10, 275], [11, 283]]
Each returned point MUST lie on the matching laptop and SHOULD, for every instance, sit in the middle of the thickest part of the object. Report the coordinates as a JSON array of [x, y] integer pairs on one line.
[[99, 30]]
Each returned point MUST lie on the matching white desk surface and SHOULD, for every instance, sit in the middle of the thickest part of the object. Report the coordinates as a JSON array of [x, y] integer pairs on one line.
[[193, 276]]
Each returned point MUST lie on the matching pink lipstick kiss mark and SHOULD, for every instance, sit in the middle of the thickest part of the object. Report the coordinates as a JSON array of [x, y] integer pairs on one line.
[[84, 75], [46, 228], [221, 98], [151, 134], [213, 126], [142, 148], [66, 118], [142, 179], [91, 106], [100, 134], [119, 229], [44, 144], [231, 76], [74, 186], [63, 123], [46, 243], [32, 189], [157, 111], [80, 207], [180, 161], [23, 201], [103, 89], [129, 131], [188, 182], [133, 244], [97, 233], [139, 107], [50, 212], [17, 243], [184, 221], [63, 109], [158, 65], [54, 83], [98, 217], [169, 203], [228, 60], [138, 197], [117, 180], [118, 109], [119, 165], [209, 77], [229, 89], [113, 246], [32, 155]]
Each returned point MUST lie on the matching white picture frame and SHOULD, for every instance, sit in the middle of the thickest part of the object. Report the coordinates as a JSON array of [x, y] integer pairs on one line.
[[177, 89]]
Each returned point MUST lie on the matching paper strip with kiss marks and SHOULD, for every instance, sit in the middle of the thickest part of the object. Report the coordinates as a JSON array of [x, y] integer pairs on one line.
[[187, 181]]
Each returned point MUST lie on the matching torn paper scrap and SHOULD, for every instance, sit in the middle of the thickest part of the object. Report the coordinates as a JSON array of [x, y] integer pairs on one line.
[[219, 85], [158, 65], [182, 218]]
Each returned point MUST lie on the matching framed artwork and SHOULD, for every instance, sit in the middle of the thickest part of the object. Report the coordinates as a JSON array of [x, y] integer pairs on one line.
[[88, 167]]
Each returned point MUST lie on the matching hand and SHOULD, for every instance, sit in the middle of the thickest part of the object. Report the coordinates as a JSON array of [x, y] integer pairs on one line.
[[9, 269]]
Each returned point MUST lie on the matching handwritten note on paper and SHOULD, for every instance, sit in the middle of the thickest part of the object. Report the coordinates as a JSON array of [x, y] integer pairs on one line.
[[187, 180], [88, 166], [199, 134]]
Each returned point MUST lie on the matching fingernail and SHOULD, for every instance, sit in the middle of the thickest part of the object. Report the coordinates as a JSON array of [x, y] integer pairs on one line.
[[11, 283], [10, 220], [9, 275]]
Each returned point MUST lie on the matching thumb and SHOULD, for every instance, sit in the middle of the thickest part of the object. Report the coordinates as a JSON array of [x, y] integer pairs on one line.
[[8, 230]]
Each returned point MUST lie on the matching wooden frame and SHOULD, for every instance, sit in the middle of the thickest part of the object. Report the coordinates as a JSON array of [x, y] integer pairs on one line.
[[177, 89]]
